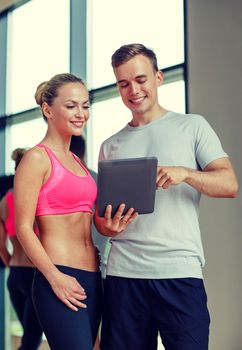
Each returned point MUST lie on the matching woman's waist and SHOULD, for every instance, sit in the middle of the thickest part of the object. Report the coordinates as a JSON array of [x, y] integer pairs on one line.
[[76, 226], [82, 256], [20, 259], [74, 239]]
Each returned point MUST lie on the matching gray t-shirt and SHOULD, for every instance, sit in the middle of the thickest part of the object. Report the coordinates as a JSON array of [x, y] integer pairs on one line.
[[100, 241], [167, 242]]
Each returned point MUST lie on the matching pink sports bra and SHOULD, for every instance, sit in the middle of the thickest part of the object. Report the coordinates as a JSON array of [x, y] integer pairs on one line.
[[65, 192], [9, 222]]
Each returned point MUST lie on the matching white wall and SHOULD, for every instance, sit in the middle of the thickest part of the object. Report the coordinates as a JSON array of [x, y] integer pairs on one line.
[[215, 91]]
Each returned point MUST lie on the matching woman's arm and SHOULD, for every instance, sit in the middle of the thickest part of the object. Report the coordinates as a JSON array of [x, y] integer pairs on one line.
[[31, 173]]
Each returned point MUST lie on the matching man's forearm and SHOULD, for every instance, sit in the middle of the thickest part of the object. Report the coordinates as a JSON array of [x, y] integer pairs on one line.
[[217, 179], [213, 183]]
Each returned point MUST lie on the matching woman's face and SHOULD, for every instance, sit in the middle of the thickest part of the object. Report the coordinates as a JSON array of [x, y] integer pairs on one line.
[[70, 109]]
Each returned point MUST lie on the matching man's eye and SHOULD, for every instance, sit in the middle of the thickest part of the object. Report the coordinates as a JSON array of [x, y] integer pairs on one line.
[[141, 81], [70, 106], [123, 85], [86, 107]]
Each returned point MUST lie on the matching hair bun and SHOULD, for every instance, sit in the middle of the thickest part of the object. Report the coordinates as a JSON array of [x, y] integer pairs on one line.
[[39, 93], [18, 153]]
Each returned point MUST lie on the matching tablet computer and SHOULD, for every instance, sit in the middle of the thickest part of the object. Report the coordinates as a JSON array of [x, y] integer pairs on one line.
[[131, 181]]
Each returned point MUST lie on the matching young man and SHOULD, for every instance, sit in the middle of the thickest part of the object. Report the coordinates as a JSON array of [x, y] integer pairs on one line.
[[154, 276]]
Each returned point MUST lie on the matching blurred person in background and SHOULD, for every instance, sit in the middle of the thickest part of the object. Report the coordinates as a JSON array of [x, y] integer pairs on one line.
[[21, 269]]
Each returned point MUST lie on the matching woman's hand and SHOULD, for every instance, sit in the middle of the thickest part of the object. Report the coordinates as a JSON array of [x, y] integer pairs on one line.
[[109, 226], [69, 291]]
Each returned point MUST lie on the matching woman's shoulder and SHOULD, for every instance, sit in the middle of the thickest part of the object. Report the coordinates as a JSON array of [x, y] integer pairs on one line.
[[34, 158], [36, 154]]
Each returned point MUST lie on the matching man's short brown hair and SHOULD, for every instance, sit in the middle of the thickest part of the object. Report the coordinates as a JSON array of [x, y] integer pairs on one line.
[[126, 52]]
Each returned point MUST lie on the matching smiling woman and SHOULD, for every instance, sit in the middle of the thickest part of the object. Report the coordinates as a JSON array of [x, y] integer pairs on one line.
[[67, 261]]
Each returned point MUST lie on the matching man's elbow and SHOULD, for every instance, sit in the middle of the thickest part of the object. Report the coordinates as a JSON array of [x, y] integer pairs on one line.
[[233, 190]]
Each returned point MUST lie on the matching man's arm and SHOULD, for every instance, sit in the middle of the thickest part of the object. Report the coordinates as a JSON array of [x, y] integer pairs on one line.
[[217, 179]]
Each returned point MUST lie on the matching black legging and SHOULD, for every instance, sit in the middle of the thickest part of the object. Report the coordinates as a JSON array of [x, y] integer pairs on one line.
[[64, 328], [20, 285]]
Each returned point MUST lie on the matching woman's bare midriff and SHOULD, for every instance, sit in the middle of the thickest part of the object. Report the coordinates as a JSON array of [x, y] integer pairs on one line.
[[68, 241]]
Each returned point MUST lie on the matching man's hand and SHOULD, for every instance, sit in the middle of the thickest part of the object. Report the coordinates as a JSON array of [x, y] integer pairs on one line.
[[170, 175], [109, 226]]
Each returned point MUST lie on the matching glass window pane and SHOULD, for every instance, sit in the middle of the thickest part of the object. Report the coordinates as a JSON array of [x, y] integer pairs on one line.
[[111, 115], [158, 25], [38, 48], [172, 96], [26, 134], [108, 117]]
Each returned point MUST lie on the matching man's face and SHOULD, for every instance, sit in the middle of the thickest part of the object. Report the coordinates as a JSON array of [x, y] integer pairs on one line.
[[138, 82]]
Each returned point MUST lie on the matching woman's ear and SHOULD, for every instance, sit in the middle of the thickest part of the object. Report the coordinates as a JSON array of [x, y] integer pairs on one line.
[[46, 110]]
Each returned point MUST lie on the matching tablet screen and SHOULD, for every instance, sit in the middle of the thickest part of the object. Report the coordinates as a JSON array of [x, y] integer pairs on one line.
[[131, 181]]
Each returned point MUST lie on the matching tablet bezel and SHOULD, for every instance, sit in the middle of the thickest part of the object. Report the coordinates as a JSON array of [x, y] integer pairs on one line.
[[131, 181]]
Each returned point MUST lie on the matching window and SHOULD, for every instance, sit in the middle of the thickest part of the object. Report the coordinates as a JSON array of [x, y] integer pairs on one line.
[[24, 135], [158, 25], [107, 117], [38, 48]]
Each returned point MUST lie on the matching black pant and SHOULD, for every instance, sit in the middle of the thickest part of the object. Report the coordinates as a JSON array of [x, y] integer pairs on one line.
[[136, 310], [19, 285], [64, 328]]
